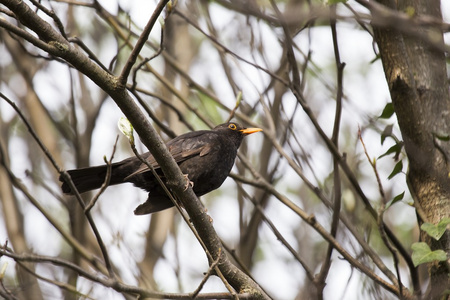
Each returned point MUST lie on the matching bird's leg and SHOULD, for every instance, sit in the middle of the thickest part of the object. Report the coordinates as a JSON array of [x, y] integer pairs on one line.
[[188, 182]]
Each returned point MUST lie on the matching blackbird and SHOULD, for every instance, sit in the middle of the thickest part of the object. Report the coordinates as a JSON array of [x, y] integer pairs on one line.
[[205, 156]]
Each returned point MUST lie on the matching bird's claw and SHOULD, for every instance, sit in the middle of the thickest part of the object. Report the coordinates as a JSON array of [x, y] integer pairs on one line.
[[188, 182]]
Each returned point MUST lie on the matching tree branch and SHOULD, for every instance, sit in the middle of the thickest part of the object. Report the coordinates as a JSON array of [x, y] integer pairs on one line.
[[141, 42]]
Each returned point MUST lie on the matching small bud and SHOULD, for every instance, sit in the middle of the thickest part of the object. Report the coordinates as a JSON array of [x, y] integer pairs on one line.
[[127, 129], [3, 270]]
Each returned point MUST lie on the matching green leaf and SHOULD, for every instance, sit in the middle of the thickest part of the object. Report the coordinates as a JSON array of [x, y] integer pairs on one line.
[[388, 111], [397, 148], [386, 132], [436, 231], [423, 254], [395, 200], [397, 169]]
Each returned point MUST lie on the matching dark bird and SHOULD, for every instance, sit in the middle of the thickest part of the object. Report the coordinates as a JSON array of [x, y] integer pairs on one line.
[[205, 156]]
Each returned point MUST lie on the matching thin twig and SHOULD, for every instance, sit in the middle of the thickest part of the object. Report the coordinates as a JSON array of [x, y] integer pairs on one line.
[[166, 129], [62, 285], [236, 106], [146, 60], [141, 42], [321, 278], [381, 226], [208, 274], [79, 42], [52, 15], [74, 2], [106, 181]]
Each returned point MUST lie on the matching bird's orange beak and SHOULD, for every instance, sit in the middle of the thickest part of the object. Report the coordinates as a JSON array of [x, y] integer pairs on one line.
[[247, 131]]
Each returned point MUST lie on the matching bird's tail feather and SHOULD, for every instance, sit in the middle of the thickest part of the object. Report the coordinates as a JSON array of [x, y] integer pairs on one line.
[[91, 178]]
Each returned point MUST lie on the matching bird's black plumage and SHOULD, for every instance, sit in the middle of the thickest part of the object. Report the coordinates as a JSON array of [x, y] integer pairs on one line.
[[206, 156]]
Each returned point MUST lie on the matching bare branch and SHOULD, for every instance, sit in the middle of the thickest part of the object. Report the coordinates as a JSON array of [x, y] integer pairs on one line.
[[141, 42]]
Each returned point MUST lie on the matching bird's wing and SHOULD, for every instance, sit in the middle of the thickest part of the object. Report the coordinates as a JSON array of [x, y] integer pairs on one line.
[[181, 148]]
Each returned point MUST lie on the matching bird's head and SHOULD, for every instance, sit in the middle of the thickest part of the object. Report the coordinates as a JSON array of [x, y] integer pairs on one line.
[[235, 131]]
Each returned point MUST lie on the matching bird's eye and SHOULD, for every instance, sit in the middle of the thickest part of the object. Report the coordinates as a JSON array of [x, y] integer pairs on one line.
[[232, 126]]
